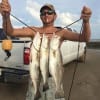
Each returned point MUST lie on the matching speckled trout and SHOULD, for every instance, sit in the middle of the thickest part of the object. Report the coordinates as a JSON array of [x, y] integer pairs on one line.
[[35, 65], [44, 62], [56, 65]]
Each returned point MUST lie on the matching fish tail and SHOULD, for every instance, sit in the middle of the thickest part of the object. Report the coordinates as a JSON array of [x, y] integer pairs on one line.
[[45, 87], [59, 87], [45, 82], [37, 96], [37, 93], [59, 94]]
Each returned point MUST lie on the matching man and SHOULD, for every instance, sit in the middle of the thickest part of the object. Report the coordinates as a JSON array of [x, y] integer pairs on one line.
[[48, 16]]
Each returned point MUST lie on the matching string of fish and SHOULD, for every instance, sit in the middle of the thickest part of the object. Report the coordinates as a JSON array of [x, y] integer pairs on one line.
[[76, 65]]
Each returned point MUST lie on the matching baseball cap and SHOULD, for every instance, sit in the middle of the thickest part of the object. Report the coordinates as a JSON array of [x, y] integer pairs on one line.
[[50, 6]]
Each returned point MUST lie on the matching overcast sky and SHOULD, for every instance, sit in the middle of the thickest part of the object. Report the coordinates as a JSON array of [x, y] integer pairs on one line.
[[68, 11]]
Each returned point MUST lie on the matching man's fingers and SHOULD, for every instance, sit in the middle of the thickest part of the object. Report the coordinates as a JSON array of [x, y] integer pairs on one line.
[[86, 10]]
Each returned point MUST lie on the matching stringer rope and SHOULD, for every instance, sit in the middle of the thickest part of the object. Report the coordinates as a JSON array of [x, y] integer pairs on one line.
[[76, 66]]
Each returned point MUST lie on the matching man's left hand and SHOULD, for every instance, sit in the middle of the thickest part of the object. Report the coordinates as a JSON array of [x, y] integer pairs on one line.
[[86, 14]]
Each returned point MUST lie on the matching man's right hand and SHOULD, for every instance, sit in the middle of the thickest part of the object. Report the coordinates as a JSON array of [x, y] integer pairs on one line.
[[5, 8]]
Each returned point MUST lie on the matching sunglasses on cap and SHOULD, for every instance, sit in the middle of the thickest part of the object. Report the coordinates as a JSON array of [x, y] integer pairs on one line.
[[49, 12]]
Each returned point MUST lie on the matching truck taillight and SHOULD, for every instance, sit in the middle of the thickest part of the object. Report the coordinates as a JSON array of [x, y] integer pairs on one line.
[[26, 55]]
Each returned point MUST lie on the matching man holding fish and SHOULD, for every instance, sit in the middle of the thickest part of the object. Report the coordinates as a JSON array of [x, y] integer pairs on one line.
[[55, 35]]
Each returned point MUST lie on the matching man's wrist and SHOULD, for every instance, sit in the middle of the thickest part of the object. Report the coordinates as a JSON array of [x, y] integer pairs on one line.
[[6, 15], [85, 21]]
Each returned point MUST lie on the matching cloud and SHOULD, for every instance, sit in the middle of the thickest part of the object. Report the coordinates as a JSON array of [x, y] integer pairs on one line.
[[33, 8], [18, 22], [66, 18]]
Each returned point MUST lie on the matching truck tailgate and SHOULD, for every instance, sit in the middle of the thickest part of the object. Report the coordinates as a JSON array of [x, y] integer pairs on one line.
[[16, 58]]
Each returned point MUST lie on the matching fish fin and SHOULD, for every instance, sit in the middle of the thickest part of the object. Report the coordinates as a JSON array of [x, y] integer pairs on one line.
[[59, 94], [45, 87], [37, 96]]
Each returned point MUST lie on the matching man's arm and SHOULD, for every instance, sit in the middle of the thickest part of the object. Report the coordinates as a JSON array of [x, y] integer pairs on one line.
[[85, 15], [7, 26], [5, 10], [86, 30]]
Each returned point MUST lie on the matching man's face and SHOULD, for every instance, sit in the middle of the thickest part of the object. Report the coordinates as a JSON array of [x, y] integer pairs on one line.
[[47, 16]]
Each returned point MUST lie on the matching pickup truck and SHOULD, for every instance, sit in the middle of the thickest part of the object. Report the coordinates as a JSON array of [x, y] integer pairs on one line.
[[15, 67]]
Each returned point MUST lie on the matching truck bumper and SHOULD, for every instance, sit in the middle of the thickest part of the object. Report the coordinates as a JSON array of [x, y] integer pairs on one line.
[[14, 76]]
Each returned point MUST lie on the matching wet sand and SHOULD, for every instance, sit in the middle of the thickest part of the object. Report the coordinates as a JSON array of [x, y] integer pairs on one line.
[[86, 83]]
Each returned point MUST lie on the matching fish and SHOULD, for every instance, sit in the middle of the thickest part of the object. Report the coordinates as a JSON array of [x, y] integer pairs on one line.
[[35, 65], [44, 61], [56, 68]]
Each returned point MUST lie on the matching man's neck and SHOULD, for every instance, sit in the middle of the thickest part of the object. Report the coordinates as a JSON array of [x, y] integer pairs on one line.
[[48, 25]]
